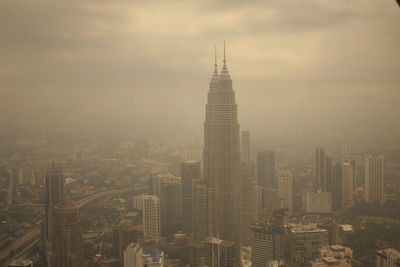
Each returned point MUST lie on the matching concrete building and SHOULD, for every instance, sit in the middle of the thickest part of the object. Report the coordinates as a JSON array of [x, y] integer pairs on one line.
[[201, 206], [387, 258], [285, 190], [347, 184], [317, 202], [222, 158], [304, 242], [170, 207], [335, 255], [151, 217], [125, 233], [54, 194], [268, 244], [266, 168], [245, 147], [267, 199], [190, 172], [153, 257], [374, 178], [133, 255], [67, 250], [248, 205]]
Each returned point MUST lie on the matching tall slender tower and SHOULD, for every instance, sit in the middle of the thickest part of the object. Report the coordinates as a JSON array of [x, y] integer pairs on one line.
[[54, 194], [222, 157], [374, 178], [245, 147]]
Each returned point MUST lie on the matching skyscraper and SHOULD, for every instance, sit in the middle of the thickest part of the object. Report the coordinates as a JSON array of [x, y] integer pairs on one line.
[[170, 207], [266, 168], [222, 157], [323, 170], [190, 172], [67, 241], [245, 147], [374, 178], [248, 205], [54, 193], [285, 190], [151, 217], [347, 184]]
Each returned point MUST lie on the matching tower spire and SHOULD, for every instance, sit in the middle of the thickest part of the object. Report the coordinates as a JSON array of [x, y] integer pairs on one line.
[[224, 54], [215, 59]]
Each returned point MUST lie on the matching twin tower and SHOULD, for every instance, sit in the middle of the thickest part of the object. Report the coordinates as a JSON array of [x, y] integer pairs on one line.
[[222, 159]]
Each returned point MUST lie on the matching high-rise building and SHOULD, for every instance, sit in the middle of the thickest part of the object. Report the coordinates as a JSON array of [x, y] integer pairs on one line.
[[212, 252], [347, 184], [266, 168], [248, 205], [267, 200], [337, 187], [304, 243], [202, 208], [67, 249], [133, 255], [222, 157], [285, 190], [124, 234], [245, 147], [170, 207], [268, 244], [323, 170], [388, 258], [151, 217], [190, 172], [21, 263], [54, 194], [374, 178]]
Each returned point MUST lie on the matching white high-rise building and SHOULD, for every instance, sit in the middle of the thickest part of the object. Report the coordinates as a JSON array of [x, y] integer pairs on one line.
[[285, 190], [151, 217], [374, 178]]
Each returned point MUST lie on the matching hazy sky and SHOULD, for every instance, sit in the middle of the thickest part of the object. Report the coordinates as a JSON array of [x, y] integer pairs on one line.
[[295, 64]]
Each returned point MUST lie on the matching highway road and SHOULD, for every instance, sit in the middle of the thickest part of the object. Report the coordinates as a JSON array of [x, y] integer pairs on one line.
[[33, 236]]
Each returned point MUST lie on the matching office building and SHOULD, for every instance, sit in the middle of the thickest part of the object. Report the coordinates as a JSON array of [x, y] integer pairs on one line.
[[266, 168], [285, 190], [347, 185], [67, 250], [170, 207], [202, 208], [268, 244], [190, 172], [151, 217], [374, 178], [133, 255], [304, 243], [153, 257], [54, 193], [124, 234], [317, 202], [248, 205], [267, 198]]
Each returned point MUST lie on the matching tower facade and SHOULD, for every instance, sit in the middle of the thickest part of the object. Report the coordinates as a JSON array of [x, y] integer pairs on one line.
[[67, 240], [190, 172], [245, 147], [266, 168], [374, 178], [285, 190], [54, 194], [151, 217], [222, 157]]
